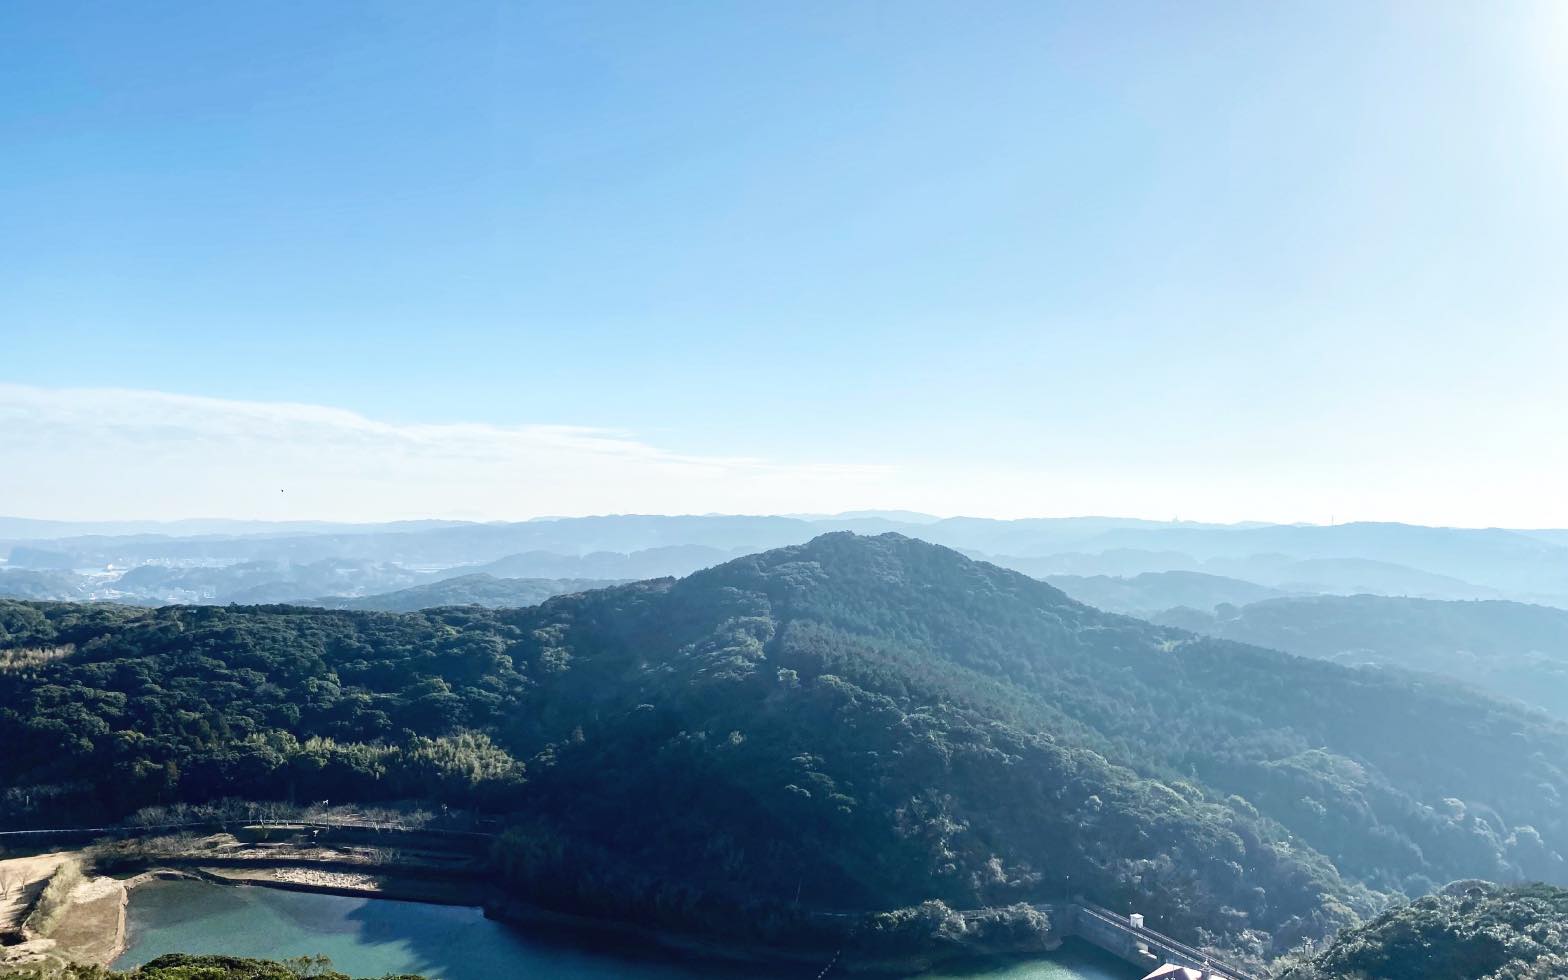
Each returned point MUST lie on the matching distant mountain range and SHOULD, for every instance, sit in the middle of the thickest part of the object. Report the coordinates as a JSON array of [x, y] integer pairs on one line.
[[1510, 649], [1154, 592], [26, 529], [657, 562], [468, 590], [1387, 559], [344, 582]]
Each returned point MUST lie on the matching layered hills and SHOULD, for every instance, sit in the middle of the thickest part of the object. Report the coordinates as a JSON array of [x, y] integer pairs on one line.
[[852, 723], [1511, 649], [478, 589], [1390, 559]]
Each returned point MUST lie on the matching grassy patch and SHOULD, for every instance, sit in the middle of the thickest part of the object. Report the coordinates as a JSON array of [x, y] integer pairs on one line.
[[30, 657], [55, 898]]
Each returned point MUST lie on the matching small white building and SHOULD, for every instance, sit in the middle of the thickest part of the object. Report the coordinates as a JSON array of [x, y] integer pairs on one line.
[[1171, 971]]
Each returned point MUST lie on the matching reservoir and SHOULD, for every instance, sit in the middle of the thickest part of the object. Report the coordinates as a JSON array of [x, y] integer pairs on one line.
[[375, 937]]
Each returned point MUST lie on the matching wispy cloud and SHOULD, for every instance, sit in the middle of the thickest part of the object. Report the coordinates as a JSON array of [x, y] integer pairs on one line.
[[110, 454], [98, 452]]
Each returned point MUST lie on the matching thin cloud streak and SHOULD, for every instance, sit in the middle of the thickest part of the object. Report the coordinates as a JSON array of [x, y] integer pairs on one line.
[[123, 454], [90, 452]]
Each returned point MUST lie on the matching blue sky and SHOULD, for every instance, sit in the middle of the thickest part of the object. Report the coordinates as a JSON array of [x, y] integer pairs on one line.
[[1219, 260]]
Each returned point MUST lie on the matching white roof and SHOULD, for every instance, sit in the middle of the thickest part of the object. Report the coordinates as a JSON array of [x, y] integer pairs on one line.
[[1171, 971]]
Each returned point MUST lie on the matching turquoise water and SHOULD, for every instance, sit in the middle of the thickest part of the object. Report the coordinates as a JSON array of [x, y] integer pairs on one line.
[[373, 937], [1073, 962]]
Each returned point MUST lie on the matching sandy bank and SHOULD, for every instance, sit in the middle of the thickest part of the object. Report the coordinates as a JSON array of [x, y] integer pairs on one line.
[[90, 926]]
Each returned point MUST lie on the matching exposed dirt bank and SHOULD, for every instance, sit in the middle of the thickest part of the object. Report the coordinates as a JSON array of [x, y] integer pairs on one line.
[[89, 926], [22, 879]]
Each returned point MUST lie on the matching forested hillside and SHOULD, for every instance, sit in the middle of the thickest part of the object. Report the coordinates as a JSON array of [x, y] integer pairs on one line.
[[1473, 931], [852, 723], [1512, 649]]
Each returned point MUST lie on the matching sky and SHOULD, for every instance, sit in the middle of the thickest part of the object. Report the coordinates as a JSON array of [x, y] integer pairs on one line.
[[367, 261]]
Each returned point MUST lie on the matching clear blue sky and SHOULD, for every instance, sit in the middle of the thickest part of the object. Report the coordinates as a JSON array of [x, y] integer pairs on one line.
[[1228, 260]]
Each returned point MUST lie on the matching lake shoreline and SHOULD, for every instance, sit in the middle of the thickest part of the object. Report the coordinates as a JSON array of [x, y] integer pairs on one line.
[[538, 921], [166, 924], [93, 931]]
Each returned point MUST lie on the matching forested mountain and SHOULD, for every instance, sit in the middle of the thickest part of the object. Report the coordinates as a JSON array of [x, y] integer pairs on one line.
[[1472, 931], [859, 722], [468, 590], [1509, 648]]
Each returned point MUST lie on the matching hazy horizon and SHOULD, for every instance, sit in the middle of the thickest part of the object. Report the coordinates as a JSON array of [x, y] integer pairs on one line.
[[893, 515], [119, 454]]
